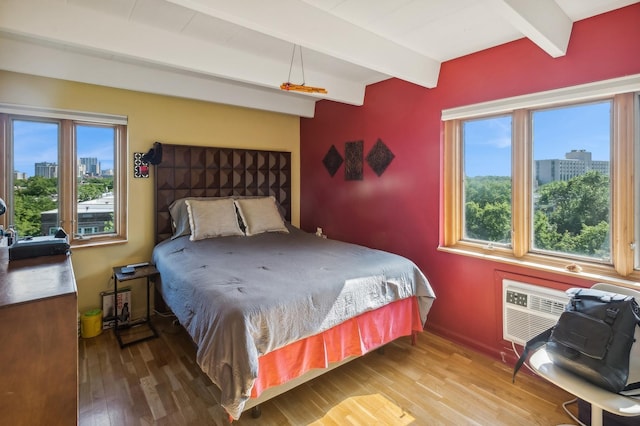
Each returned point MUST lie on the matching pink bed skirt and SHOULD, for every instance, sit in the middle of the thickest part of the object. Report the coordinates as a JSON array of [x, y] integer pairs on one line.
[[353, 337]]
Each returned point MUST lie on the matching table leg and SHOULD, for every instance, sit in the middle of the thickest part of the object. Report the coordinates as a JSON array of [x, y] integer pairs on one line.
[[596, 415]]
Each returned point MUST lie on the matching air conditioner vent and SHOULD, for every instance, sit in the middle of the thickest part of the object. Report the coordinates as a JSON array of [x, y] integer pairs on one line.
[[550, 306], [528, 310]]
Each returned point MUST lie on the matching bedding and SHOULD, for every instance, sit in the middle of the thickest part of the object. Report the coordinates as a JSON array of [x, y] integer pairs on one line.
[[241, 297]]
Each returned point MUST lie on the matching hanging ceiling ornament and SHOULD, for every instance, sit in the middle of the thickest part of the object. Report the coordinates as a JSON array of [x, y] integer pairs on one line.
[[288, 86]]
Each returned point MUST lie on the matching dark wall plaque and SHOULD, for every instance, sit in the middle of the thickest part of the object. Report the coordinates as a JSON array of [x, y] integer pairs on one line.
[[379, 157], [353, 152], [332, 160]]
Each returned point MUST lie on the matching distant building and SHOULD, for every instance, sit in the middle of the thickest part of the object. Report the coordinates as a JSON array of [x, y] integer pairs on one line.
[[46, 170], [576, 163], [89, 166], [19, 175], [93, 216]]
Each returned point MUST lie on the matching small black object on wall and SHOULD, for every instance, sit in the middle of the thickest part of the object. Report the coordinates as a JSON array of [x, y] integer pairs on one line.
[[154, 156]]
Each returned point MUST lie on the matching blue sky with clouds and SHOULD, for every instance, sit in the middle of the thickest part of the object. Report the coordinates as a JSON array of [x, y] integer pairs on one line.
[[36, 142], [487, 149], [487, 141]]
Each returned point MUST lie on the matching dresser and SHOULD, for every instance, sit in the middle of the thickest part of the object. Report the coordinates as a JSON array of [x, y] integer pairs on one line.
[[39, 341]]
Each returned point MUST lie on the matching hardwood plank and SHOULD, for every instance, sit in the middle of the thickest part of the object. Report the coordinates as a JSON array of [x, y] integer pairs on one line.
[[436, 382]]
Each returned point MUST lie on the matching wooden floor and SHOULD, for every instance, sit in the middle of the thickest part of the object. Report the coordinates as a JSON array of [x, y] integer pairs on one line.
[[433, 383]]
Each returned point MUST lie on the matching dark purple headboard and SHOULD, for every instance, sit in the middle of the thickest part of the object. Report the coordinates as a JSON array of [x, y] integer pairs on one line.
[[196, 171]]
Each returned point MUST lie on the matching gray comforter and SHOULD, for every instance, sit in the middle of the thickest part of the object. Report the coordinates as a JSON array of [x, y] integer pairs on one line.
[[242, 297]]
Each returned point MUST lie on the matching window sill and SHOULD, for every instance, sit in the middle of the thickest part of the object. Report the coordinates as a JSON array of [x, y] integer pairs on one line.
[[97, 242], [566, 267]]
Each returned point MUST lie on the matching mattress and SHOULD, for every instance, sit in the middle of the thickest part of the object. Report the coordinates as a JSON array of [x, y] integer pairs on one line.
[[243, 297]]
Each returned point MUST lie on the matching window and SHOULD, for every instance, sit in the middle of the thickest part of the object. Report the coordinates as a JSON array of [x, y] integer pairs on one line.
[[64, 170], [487, 179], [546, 180], [571, 186]]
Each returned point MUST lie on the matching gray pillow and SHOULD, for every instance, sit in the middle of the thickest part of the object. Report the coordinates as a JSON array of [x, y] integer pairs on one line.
[[180, 217], [212, 218], [260, 215]]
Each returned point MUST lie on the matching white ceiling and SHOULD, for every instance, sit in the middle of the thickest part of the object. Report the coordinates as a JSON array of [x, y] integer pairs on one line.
[[238, 52]]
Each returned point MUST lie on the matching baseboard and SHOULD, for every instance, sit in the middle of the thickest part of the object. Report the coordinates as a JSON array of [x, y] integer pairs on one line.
[[506, 357]]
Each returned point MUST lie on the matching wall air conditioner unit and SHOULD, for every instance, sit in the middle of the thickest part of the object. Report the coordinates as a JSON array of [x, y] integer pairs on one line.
[[528, 310]]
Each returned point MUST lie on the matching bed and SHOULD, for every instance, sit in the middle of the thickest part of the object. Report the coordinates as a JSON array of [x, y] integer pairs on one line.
[[268, 305]]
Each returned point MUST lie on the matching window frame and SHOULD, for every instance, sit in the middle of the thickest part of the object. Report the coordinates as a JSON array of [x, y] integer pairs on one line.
[[624, 93], [67, 169], [464, 181]]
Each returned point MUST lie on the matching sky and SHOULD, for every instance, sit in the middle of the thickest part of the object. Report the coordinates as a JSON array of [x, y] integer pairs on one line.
[[36, 142], [487, 149]]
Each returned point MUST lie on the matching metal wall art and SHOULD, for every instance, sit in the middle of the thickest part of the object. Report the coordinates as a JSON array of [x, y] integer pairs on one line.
[[353, 160], [378, 158], [332, 160]]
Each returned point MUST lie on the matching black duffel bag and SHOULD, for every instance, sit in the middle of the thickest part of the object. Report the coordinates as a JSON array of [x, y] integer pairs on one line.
[[592, 338]]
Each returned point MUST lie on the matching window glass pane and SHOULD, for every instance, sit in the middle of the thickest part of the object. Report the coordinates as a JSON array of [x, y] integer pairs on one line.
[[571, 194], [487, 182], [95, 158], [35, 177]]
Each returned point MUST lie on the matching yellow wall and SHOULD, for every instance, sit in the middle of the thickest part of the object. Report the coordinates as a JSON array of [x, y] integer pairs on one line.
[[152, 118]]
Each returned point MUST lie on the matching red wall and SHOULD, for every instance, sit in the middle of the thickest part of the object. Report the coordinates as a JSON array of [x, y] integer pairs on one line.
[[399, 211]]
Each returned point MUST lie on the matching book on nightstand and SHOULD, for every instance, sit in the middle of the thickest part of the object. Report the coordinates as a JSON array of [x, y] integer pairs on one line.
[[111, 309]]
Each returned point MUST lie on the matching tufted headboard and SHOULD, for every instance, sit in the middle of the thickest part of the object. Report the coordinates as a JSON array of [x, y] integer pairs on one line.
[[196, 171]]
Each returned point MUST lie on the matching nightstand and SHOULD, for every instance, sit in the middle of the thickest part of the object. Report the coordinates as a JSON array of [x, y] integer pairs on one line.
[[146, 272]]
